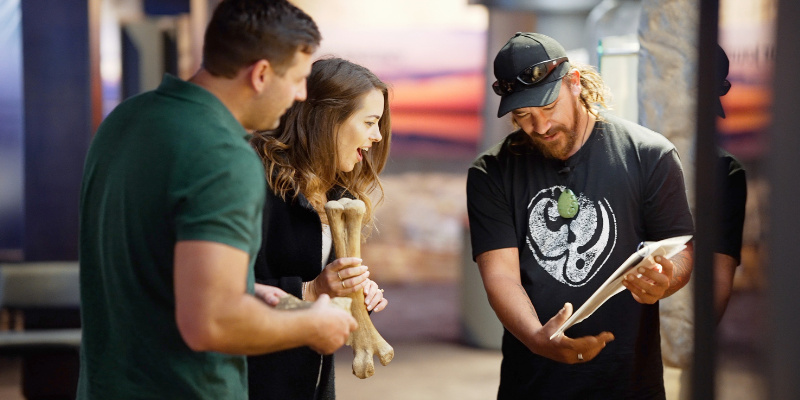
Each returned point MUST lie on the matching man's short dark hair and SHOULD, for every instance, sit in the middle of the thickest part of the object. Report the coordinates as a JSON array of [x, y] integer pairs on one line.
[[241, 32]]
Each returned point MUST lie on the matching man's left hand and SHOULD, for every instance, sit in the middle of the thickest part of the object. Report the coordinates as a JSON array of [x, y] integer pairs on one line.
[[649, 283]]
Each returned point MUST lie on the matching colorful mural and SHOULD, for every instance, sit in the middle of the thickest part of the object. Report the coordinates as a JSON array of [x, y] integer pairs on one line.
[[431, 53], [12, 166], [747, 34]]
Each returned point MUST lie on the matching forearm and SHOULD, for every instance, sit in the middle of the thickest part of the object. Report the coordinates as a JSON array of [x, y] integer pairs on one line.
[[214, 312], [245, 325], [501, 278], [514, 309], [683, 263], [724, 271]]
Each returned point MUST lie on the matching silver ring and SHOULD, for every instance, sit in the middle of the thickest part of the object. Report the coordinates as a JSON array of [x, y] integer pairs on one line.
[[343, 287], [381, 290], [580, 356], [340, 277]]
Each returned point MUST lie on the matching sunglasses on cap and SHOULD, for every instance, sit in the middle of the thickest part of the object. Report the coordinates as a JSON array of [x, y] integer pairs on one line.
[[723, 88], [528, 77]]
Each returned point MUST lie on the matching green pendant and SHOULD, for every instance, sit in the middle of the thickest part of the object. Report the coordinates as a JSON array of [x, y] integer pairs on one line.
[[567, 204]]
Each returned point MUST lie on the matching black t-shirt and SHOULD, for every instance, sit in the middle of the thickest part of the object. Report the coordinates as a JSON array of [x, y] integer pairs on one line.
[[630, 187], [733, 196]]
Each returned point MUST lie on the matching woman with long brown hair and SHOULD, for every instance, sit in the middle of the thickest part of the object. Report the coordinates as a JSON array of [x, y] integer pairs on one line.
[[330, 146]]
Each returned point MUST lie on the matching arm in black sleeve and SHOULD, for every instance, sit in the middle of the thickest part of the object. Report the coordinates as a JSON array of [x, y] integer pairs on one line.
[[292, 285], [733, 192], [289, 284], [491, 221], [285, 259], [665, 206], [666, 214]]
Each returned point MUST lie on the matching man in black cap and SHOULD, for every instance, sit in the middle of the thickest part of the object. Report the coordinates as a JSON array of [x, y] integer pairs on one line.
[[732, 199], [733, 192], [554, 209]]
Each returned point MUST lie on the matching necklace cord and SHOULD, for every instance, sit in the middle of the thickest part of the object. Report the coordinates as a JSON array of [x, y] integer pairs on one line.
[[580, 159]]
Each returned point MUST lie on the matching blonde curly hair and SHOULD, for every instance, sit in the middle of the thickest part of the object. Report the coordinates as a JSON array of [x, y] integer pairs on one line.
[[593, 91]]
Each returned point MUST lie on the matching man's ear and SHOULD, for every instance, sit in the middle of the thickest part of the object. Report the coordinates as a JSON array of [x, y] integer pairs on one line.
[[261, 75], [575, 82]]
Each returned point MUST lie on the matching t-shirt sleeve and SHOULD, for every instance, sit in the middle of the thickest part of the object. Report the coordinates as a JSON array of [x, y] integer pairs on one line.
[[220, 198], [491, 221], [732, 208], [666, 208]]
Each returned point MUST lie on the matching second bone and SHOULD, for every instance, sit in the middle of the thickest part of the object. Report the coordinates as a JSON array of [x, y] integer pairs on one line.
[[345, 217]]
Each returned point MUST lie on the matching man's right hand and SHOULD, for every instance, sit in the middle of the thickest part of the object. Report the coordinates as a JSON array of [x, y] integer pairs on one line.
[[330, 326], [501, 277], [564, 349]]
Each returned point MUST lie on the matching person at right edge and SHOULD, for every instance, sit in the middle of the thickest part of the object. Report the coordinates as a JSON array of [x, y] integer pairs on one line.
[[732, 192], [554, 209], [733, 198]]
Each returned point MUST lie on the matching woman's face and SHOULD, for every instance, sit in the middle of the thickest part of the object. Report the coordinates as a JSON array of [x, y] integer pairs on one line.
[[360, 131]]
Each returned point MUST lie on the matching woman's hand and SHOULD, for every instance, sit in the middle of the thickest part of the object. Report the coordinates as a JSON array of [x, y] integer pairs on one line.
[[269, 294], [339, 278], [373, 297]]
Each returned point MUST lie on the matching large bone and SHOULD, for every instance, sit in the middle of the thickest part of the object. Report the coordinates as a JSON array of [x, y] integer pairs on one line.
[[345, 217], [290, 302]]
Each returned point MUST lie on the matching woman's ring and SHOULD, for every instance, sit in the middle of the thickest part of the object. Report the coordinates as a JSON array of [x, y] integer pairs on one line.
[[580, 357], [340, 277], [381, 290], [343, 287]]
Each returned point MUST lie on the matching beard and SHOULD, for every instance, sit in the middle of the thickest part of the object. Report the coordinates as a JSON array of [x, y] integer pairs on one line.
[[558, 149]]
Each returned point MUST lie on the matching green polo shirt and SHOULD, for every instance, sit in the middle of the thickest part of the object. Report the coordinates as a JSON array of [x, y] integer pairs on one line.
[[168, 165]]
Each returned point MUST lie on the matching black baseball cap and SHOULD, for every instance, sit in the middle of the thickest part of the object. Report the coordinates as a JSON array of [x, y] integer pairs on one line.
[[520, 52], [722, 65]]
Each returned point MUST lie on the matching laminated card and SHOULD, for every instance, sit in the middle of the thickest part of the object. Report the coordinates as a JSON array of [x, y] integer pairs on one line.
[[613, 285]]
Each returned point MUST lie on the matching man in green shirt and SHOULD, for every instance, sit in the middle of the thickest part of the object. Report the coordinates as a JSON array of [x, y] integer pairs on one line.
[[171, 207]]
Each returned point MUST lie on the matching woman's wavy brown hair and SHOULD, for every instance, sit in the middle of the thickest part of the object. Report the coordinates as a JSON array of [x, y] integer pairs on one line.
[[300, 155]]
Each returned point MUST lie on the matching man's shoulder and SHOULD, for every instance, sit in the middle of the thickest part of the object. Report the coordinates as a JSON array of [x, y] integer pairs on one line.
[[510, 149], [129, 110], [156, 111], [189, 139], [642, 139], [728, 163], [229, 155]]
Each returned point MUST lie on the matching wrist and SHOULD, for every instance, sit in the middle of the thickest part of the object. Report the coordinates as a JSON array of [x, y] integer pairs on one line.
[[309, 290], [534, 343], [535, 338], [306, 322]]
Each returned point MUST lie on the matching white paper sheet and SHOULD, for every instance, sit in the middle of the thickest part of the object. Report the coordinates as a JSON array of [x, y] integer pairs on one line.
[[613, 285]]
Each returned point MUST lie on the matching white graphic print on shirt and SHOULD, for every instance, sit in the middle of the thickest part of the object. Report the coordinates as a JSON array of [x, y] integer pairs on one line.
[[571, 250]]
